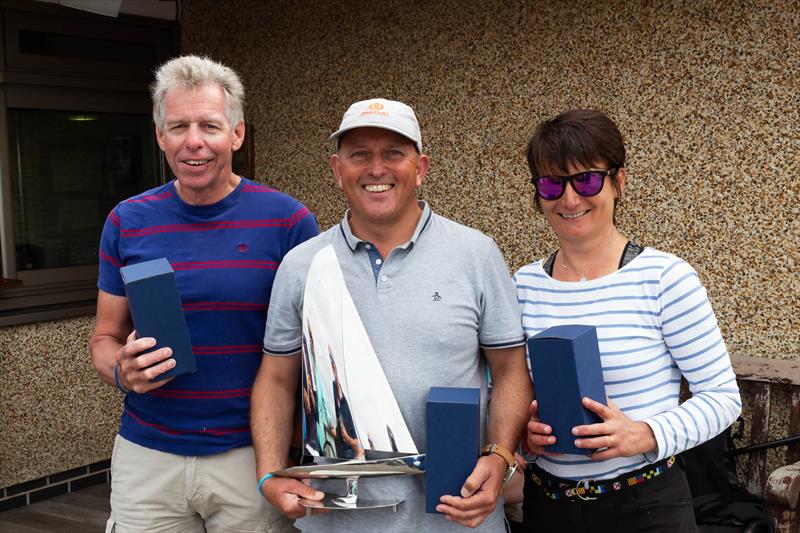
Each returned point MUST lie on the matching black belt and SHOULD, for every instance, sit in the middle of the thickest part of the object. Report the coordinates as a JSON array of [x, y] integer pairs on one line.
[[557, 488]]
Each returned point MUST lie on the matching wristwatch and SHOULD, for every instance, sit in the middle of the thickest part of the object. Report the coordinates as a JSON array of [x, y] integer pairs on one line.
[[507, 456]]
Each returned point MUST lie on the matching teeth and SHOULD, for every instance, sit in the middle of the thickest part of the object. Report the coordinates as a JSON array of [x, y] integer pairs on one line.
[[574, 215], [196, 162], [378, 188]]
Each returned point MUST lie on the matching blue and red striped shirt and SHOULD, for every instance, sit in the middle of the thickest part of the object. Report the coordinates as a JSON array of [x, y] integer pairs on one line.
[[225, 256]]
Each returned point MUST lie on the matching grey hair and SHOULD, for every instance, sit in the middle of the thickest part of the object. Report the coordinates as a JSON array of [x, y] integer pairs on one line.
[[193, 72]]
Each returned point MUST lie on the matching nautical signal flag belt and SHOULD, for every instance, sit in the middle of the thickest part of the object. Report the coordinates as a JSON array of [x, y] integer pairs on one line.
[[557, 488]]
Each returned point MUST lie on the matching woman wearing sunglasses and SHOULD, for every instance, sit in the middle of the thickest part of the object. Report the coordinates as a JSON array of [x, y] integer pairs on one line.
[[654, 325]]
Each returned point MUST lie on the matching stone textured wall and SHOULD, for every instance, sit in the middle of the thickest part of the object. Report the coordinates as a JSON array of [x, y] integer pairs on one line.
[[706, 94], [55, 413]]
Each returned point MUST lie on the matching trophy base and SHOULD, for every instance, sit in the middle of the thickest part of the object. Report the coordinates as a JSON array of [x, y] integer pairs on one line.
[[344, 503]]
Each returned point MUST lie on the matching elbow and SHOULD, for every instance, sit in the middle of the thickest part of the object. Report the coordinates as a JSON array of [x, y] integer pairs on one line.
[[92, 346], [737, 408]]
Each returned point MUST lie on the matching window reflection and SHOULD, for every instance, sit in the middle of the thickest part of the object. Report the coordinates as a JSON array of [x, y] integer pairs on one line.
[[68, 170]]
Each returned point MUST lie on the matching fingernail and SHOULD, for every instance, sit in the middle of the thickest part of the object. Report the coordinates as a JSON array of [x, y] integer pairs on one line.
[[551, 440], [575, 431], [172, 363], [548, 429]]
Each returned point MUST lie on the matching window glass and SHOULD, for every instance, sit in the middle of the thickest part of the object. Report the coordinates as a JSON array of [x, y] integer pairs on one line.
[[68, 170]]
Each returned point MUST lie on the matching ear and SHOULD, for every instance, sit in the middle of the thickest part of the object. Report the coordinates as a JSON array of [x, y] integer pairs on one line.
[[238, 136], [336, 165], [160, 139], [422, 169], [622, 177]]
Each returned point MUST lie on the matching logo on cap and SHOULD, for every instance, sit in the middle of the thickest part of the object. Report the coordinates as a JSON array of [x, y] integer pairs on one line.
[[375, 109]]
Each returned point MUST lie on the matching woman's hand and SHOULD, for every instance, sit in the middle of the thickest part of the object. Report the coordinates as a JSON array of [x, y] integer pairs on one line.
[[539, 433], [616, 436]]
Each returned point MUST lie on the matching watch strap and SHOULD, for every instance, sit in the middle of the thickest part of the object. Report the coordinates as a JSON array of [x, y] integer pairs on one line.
[[495, 448]]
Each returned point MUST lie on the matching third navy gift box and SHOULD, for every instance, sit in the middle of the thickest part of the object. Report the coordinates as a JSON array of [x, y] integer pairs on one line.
[[565, 361], [452, 424], [157, 311]]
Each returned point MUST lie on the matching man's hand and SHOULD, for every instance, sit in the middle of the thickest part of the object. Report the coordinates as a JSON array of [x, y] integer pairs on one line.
[[539, 433], [136, 371], [617, 435], [285, 493], [478, 495]]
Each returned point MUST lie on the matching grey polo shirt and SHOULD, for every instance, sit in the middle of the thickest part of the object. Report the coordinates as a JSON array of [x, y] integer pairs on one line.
[[434, 303]]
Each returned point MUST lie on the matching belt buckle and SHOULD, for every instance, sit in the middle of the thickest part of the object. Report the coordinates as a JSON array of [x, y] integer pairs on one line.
[[585, 482]]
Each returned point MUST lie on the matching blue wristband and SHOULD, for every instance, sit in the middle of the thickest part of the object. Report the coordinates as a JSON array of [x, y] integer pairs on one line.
[[262, 480], [122, 389]]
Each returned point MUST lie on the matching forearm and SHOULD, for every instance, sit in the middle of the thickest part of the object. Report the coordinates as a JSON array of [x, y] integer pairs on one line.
[[112, 327], [104, 349], [511, 396], [508, 414], [272, 406], [703, 416]]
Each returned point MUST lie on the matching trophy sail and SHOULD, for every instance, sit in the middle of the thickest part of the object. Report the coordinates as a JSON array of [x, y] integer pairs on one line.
[[349, 408], [352, 424]]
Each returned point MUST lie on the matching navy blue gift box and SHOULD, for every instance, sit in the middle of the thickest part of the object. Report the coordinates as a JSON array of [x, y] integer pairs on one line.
[[565, 361], [452, 422], [157, 312]]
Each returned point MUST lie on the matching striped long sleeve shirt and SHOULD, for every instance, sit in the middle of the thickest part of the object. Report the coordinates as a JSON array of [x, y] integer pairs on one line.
[[654, 324]]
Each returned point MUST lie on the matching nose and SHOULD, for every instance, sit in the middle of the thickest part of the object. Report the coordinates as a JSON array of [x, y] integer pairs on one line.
[[376, 167], [194, 139], [570, 198]]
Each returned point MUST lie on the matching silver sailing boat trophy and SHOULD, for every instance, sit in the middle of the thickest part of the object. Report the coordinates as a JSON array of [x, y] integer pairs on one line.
[[352, 425]]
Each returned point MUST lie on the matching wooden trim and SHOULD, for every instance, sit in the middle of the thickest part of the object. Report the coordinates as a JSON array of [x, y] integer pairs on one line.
[[757, 465], [793, 451], [767, 370]]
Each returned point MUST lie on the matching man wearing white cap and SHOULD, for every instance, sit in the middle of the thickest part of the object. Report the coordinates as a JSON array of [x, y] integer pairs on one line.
[[437, 302]]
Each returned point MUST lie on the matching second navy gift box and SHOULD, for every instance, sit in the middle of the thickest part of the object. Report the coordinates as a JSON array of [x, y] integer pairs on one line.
[[565, 361], [157, 311]]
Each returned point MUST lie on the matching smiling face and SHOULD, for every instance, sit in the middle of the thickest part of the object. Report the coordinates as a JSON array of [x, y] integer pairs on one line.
[[576, 218], [198, 143], [379, 171]]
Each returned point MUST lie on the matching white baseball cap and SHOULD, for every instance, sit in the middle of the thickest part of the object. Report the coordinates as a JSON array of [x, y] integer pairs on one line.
[[380, 113]]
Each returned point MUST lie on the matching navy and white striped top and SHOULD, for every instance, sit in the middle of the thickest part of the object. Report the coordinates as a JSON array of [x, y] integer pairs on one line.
[[654, 323]]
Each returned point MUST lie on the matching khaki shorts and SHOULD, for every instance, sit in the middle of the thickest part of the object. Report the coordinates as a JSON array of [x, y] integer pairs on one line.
[[157, 492]]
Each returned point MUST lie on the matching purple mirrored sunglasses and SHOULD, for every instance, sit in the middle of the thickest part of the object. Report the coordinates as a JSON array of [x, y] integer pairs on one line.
[[586, 184]]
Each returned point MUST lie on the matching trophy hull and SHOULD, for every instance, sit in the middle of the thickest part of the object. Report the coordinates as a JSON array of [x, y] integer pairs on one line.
[[408, 465], [343, 503]]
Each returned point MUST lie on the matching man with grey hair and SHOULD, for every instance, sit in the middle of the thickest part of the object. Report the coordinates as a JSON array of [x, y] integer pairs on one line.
[[437, 303], [183, 459]]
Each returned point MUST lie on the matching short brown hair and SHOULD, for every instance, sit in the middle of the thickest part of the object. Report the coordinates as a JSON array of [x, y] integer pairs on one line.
[[582, 137]]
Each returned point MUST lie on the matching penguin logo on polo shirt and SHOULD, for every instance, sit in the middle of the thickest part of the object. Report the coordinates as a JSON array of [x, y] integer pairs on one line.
[[436, 297]]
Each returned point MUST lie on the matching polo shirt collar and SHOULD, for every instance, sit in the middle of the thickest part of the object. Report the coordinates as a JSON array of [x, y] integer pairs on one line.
[[353, 241]]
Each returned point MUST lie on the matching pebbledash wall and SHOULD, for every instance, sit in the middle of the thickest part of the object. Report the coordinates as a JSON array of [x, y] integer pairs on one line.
[[707, 96]]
